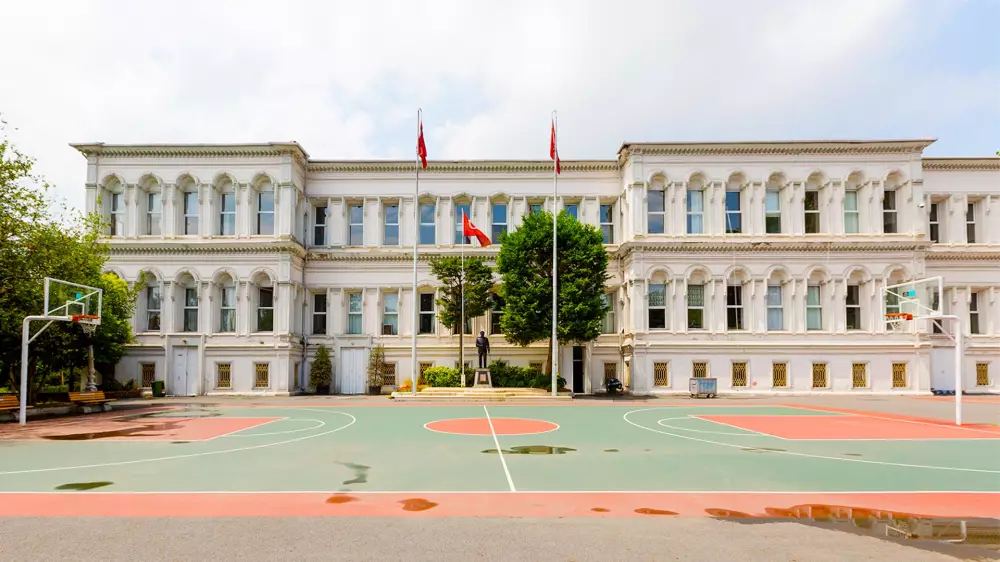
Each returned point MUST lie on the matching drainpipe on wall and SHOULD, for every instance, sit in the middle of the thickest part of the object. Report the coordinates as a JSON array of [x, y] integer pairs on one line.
[[305, 287]]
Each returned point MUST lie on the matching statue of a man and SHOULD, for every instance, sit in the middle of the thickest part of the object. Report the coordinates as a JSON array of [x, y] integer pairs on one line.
[[483, 347]]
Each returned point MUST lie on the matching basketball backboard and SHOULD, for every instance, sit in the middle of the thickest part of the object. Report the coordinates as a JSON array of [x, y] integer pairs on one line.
[[913, 300], [63, 298]]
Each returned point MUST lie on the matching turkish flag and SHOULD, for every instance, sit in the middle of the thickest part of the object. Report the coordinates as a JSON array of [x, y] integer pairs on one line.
[[469, 229], [421, 147], [554, 150]]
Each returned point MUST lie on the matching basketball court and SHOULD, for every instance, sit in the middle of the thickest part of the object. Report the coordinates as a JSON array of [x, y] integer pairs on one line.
[[694, 458]]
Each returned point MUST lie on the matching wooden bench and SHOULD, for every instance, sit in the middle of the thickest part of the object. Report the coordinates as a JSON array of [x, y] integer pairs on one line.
[[9, 402], [90, 398]]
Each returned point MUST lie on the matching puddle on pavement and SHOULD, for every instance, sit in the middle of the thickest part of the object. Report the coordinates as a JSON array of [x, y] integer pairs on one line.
[[82, 486], [338, 499], [651, 511], [761, 450], [417, 504], [127, 432], [360, 473], [534, 450], [600, 509], [852, 454], [610, 450]]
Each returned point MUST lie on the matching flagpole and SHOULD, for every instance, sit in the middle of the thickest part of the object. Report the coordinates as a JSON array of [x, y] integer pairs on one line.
[[555, 293], [461, 333], [416, 240]]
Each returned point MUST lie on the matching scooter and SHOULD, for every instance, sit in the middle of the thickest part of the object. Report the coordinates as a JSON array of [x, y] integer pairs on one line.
[[614, 386]]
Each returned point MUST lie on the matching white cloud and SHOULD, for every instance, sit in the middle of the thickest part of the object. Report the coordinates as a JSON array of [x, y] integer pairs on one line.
[[344, 78]]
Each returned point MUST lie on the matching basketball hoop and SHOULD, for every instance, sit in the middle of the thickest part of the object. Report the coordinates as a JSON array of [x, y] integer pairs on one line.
[[898, 321], [86, 322]]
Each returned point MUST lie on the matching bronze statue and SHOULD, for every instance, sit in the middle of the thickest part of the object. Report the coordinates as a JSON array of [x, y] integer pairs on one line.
[[483, 347]]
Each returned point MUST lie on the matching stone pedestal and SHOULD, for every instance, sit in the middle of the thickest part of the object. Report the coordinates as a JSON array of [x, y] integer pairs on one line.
[[483, 378]]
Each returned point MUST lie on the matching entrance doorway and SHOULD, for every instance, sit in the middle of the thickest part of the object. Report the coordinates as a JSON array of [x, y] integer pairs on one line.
[[184, 372], [578, 387], [353, 370]]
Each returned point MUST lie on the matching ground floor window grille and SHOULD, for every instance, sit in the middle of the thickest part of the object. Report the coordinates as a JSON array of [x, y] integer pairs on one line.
[[899, 375], [982, 374], [223, 375], [536, 365], [610, 372], [699, 369], [779, 375], [423, 367], [389, 375], [859, 375], [660, 374], [740, 373], [262, 375], [148, 374], [819, 375]]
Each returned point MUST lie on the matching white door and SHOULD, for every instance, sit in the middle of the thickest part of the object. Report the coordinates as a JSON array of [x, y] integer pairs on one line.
[[184, 376], [352, 371]]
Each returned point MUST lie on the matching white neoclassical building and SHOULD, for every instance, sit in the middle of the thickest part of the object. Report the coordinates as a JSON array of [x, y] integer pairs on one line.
[[758, 263]]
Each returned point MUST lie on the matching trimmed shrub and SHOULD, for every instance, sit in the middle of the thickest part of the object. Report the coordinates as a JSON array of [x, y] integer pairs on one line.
[[321, 370], [443, 377], [507, 376]]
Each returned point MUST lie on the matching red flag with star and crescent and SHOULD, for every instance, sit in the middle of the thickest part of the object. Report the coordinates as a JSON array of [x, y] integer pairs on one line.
[[554, 149], [421, 147], [469, 229]]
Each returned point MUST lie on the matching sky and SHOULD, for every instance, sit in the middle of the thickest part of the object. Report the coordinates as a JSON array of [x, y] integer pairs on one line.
[[345, 79]]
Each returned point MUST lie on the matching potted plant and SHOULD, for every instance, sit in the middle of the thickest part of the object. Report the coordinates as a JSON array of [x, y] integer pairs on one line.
[[320, 371], [376, 368]]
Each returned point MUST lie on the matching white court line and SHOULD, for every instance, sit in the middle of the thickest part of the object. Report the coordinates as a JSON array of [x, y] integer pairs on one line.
[[189, 455], [496, 441], [807, 455], [521, 492], [320, 424], [753, 434], [761, 433], [243, 429], [942, 424]]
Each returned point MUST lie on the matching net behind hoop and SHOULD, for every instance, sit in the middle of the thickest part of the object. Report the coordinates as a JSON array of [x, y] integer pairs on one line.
[[86, 322]]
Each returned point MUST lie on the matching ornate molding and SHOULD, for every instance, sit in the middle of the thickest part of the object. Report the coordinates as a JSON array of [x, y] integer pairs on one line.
[[262, 150], [217, 246], [774, 148], [988, 164], [461, 166], [757, 246], [963, 255]]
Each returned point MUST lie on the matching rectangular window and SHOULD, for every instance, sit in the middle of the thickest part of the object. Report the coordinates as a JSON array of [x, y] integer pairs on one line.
[[819, 375], [699, 369], [608, 223], [936, 326], [851, 214], [608, 324], [390, 314], [190, 213], [460, 211], [657, 308], [696, 307], [265, 309], [319, 313], [811, 208], [391, 220], [814, 308], [265, 213], [153, 308], [354, 313], [734, 215], [117, 214], [775, 311], [319, 227], [779, 375], [772, 212], [153, 214], [661, 374], [859, 375], [695, 212], [899, 375], [935, 224], [535, 208], [227, 214], [610, 372], [389, 375], [227, 309], [739, 373], [536, 365], [224, 375], [734, 307], [974, 313], [970, 223], [496, 314], [356, 225], [262, 375], [853, 304], [147, 374], [499, 221], [190, 310], [982, 374], [427, 234], [889, 225], [426, 313], [655, 216], [573, 210]]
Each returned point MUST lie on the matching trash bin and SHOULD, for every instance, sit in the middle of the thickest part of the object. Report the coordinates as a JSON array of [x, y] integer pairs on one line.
[[158, 389], [703, 386]]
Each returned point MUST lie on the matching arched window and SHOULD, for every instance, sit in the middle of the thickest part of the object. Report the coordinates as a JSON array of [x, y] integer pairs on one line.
[[190, 201], [772, 203], [854, 298], [263, 302], [734, 203], [656, 305], [113, 201], [736, 288], [656, 205], [264, 207], [815, 288], [187, 293], [696, 309], [696, 205], [152, 304], [152, 206], [227, 304], [775, 299], [226, 210]]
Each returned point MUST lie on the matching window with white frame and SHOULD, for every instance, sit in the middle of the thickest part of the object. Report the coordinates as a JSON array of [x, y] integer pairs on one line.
[[390, 314], [496, 314], [772, 211], [227, 307], [427, 228], [190, 310], [734, 307], [356, 225], [573, 210], [656, 213], [354, 311], [889, 215], [852, 216], [319, 226], [265, 212], [190, 213], [934, 223], [657, 306], [814, 308], [852, 303], [936, 326], [974, 313], [390, 217], [970, 223], [810, 206], [154, 214], [227, 213], [427, 313], [775, 309], [117, 211], [153, 308], [265, 309], [319, 314], [461, 209], [535, 208], [608, 323], [734, 214], [608, 223], [695, 211], [696, 307], [499, 212]]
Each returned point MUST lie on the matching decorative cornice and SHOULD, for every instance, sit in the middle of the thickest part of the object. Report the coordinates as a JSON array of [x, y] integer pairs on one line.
[[260, 150], [401, 254], [460, 166], [241, 247], [963, 254], [774, 148], [987, 164], [628, 248]]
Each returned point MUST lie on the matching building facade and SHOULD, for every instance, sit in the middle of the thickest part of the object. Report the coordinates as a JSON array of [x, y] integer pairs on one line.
[[761, 264]]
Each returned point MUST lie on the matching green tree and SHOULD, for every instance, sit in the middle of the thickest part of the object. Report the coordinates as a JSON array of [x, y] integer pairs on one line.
[[525, 266], [478, 281], [320, 372]]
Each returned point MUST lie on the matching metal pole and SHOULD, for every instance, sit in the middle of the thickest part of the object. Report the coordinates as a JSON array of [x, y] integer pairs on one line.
[[958, 371], [555, 229], [416, 242], [461, 332]]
